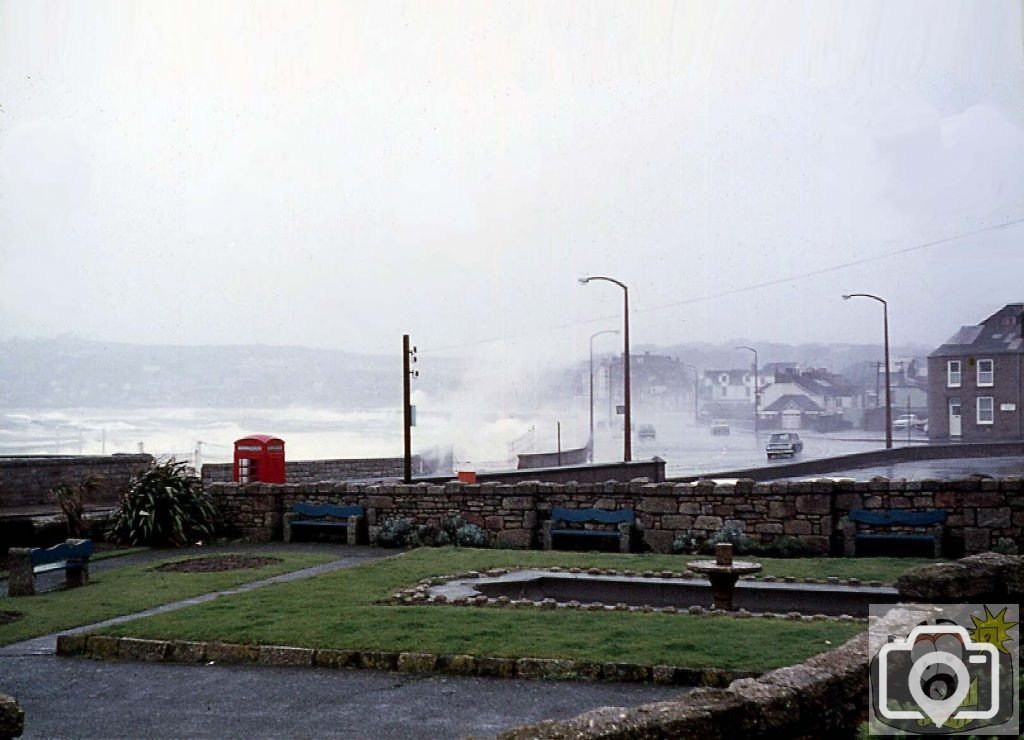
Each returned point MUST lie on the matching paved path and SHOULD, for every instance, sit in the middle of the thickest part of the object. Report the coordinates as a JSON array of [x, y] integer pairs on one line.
[[74, 697]]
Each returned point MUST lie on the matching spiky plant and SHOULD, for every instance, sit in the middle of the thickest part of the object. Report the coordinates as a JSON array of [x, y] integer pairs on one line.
[[165, 506]]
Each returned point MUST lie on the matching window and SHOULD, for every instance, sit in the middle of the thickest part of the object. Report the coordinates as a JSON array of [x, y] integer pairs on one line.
[[986, 410], [953, 374], [986, 372]]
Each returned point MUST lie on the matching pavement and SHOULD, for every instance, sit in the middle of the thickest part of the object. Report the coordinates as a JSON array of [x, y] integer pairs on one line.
[[81, 698]]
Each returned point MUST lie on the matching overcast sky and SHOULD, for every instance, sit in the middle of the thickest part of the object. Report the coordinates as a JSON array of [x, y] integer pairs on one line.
[[338, 173]]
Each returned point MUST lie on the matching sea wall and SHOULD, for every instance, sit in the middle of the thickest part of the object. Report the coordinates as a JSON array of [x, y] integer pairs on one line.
[[27, 480]]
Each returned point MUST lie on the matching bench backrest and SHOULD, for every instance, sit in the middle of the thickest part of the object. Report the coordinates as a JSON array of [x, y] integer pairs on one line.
[[897, 516], [619, 516], [72, 551], [326, 510]]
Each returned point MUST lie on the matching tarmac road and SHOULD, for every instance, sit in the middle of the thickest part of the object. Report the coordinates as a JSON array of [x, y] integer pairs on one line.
[[76, 697]]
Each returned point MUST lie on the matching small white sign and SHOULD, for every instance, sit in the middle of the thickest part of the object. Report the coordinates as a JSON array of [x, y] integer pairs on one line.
[[1007, 407]]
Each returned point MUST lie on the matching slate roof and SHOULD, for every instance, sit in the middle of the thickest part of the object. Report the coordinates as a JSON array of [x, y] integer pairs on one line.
[[1000, 333], [794, 401]]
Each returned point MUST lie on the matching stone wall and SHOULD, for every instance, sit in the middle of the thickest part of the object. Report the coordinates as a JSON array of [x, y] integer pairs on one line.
[[981, 513], [314, 471], [27, 480], [12, 717]]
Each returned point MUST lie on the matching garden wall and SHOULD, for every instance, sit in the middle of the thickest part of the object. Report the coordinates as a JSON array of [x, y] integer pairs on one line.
[[982, 514], [313, 471], [27, 480]]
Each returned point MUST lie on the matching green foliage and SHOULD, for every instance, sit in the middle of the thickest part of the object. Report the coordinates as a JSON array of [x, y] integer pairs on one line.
[[783, 547], [165, 506], [401, 532], [684, 544], [71, 501], [395, 532], [732, 535]]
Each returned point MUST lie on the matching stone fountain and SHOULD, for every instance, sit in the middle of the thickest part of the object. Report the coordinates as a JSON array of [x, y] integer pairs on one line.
[[723, 573]]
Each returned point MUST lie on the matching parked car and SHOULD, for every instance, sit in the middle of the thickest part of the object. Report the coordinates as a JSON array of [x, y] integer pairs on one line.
[[646, 431], [784, 444], [910, 420], [719, 426]]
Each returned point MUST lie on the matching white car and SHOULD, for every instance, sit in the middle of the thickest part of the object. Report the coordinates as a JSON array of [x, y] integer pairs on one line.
[[910, 421]]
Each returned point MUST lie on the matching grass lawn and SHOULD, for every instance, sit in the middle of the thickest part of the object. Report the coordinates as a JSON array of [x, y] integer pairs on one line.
[[127, 590], [339, 610]]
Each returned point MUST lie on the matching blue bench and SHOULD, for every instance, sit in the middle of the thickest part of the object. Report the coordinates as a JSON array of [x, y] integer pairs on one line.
[[900, 537], [24, 563], [562, 520], [347, 520]]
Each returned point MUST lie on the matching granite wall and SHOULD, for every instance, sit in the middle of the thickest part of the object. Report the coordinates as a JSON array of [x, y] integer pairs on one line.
[[313, 471], [982, 513], [27, 480]]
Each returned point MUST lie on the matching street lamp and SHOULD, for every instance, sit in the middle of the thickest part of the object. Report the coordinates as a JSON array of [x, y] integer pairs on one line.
[[627, 444], [696, 389], [757, 387], [888, 385], [592, 336]]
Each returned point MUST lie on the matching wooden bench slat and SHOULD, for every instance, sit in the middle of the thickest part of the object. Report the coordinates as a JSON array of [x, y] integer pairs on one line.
[[603, 516]]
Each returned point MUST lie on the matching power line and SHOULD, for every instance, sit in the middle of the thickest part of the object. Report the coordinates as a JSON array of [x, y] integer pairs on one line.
[[742, 289]]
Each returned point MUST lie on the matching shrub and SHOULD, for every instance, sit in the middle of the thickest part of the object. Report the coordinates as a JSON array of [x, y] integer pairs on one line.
[[165, 506], [70, 499], [395, 533], [783, 547], [733, 535], [452, 532], [684, 544]]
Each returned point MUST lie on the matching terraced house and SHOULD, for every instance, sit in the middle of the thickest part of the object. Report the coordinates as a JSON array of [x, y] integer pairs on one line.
[[974, 381]]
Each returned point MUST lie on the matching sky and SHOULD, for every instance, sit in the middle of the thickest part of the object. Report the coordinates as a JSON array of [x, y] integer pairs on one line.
[[336, 174]]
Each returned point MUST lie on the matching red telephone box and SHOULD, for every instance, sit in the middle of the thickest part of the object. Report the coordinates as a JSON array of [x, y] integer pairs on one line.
[[259, 458]]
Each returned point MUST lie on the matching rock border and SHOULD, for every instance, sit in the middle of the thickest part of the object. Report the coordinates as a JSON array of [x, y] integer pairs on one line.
[[106, 647], [419, 595]]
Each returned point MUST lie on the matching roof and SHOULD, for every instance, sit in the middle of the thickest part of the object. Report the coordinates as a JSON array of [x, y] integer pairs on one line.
[[794, 401], [736, 377], [1000, 333]]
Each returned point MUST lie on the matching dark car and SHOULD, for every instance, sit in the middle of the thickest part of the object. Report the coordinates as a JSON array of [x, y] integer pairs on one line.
[[784, 444], [719, 426], [646, 431]]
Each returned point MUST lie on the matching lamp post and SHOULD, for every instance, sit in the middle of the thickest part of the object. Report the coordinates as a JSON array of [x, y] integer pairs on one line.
[[592, 336], [696, 389], [888, 385], [627, 443], [757, 388]]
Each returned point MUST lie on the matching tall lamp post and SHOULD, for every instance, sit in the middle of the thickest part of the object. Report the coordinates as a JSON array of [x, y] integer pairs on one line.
[[627, 443], [592, 336], [888, 385], [696, 388], [757, 388]]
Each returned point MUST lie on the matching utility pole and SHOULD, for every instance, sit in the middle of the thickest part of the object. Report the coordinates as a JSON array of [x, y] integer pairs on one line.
[[408, 356]]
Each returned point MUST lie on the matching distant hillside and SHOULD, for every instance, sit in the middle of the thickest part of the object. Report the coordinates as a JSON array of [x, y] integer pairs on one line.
[[70, 372]]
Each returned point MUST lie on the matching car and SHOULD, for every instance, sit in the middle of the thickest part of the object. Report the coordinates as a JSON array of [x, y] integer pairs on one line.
[[784, 444], [719, 426], [646, 431], [910, 421]]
